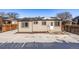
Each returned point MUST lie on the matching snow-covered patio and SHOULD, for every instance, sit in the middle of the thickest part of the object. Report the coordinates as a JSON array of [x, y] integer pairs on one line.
[[13, 40], [12, 36]]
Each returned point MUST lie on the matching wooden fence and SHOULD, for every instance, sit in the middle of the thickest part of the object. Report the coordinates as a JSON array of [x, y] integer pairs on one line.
[[9, 27], [71, 28]]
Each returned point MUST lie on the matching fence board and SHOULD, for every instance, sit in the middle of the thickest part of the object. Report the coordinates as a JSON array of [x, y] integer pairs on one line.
[[72, 28]]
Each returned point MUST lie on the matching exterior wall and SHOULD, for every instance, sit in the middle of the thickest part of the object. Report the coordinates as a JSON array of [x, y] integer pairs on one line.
[[14, 22], [25, 29], [55, 28], [38, 27]]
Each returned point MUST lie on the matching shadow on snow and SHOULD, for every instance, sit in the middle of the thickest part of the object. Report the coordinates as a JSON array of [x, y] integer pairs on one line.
[[38, 45]]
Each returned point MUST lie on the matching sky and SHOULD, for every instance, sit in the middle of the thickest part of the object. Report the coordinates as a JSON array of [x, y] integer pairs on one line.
[[41, 12]]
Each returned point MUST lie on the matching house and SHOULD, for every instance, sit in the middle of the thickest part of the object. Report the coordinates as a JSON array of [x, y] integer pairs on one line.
[[76, 20], [39, 25], [7, 24]]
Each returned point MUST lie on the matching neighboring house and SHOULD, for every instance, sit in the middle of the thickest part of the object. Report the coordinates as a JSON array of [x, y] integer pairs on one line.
[[7, 24], [76, 20], [39, 25]]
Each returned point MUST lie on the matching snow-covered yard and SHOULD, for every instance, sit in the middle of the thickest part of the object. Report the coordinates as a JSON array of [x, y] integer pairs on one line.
[[13, 40], [12, 36]]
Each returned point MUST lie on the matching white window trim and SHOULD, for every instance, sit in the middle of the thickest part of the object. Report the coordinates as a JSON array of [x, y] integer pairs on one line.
[[23, 25]]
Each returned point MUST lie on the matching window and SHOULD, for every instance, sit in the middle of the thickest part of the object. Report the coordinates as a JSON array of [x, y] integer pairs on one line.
[[9, 22], [51, 23], [24, 24], [4, 22], [35, 22], [44, 23], [57, 23]]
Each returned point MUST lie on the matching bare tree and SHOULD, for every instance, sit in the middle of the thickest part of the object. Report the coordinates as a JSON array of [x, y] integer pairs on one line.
[[12, 15], [65, 16], [2, 14]]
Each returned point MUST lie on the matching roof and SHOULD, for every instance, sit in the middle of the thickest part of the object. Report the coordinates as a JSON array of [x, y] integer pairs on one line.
[[38, 19], [7, 19], [76, 18]]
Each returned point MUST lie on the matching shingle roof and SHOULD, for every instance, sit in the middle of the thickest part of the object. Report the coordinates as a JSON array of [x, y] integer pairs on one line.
[[38, 19], [7, 18], [76, 18]]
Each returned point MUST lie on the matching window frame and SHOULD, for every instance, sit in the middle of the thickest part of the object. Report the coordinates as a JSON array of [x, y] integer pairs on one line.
[[43, 22], [23, 25], [57, 23], [35, 22]]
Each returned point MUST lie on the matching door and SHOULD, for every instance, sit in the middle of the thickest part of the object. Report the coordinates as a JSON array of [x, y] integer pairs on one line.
[[51, 26]]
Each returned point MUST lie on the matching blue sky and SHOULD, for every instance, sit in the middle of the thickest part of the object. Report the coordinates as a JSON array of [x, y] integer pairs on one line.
[[40, 12]]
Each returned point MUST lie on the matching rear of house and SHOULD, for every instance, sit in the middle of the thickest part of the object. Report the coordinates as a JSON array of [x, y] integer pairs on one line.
[[39, 25]]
